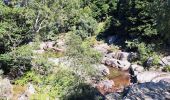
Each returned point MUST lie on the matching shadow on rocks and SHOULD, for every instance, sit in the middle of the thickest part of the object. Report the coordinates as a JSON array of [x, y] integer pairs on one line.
[[84, 92]]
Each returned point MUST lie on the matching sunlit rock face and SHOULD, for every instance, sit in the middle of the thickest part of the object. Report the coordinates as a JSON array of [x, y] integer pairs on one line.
[[152, 76], [6, 89], [165, 61]]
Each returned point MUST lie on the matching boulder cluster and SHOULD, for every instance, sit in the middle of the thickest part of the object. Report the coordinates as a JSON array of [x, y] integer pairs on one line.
[[139, 80]]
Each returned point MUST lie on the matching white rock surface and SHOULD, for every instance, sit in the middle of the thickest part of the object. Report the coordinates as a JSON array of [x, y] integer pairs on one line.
[[165, 61], [6, 89], [123, 65], [137, 68], [152, 76], [102, 69]]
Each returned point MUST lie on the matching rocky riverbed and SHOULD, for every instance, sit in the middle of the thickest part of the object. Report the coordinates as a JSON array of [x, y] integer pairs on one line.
[[126, 80]]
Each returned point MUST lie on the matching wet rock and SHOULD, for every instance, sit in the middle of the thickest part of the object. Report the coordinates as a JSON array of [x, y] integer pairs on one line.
[[152, 76], [6, 89]]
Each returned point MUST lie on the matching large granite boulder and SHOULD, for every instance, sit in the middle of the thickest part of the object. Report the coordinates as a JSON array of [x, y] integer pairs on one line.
[[143, 91], [152, 76], [125, 56], [149, 91], [123, 65], [165, 61], [136, 69], [6, 89]]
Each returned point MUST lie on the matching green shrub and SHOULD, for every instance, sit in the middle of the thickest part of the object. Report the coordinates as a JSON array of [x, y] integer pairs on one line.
[[166, 69], [86, 26], [82, 54], [41, 65], [30, 76], [17, 61], [145, 51]]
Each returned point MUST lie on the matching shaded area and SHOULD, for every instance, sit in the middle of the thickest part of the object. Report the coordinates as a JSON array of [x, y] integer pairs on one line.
[[84, 92]]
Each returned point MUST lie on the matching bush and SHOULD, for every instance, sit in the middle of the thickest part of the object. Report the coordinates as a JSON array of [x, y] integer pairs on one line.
[[86, 26], [145, 51], [53, 86], [41, 65], [82, 55], [18, 61], [166, 69]]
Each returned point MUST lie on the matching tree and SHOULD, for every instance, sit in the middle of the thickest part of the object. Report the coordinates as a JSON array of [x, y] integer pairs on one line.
[[160, 11]]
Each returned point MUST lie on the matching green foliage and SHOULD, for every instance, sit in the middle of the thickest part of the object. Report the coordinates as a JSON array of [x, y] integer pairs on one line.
[[41, 65], [102, 8], [29, 77], [160, 11], [145, 51], [86, 26], [17, 61], [166, 69], [13, 28], [56, 85], [82, 54], [135, 20]]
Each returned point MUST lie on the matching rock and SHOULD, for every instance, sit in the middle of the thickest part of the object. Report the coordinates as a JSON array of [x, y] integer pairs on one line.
[[47, 45], [30, 89], [125, 56], [165, 61], [149, 62], [56, 61], [152, 76], [123, 65], [120, 55], [27, 94], [113, 96], [144, 91], [6, 89], [110, 55], [137, 69], [133, 56], [149, 91], [102, 69], [105, 86], [38, 51], [103, 48]]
